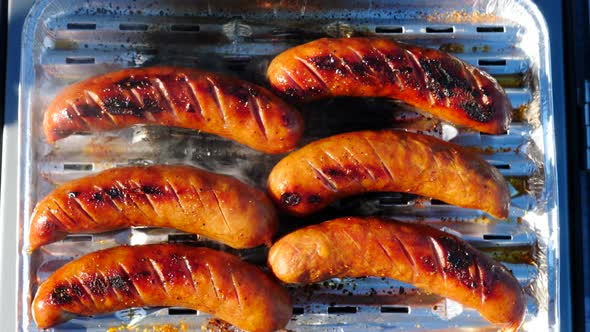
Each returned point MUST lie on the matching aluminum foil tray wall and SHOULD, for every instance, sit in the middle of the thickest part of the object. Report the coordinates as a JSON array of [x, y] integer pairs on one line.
[[66, 41]]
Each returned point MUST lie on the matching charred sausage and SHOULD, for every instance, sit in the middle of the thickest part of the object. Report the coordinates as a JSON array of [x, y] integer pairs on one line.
[[432, 81], [430, 259], [182, 197], [332, 168], [163, 275], [178, 97]]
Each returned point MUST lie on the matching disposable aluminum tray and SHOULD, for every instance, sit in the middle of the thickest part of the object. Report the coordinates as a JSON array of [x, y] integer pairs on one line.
[[66, 41]]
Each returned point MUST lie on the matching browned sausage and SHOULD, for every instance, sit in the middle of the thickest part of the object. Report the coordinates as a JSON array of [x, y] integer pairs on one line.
[[178, 97], [311, 178], [430, 259], [433, 81], [182, 197], [163, 275]]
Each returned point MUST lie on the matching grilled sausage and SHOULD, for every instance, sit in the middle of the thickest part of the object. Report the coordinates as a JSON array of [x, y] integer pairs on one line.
[[179, 97], [163, 275], [182, 197], [432, 81], [311, 178], [430, 259]]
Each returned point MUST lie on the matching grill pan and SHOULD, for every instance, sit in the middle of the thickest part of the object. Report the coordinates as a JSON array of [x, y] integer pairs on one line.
[[65, 41]]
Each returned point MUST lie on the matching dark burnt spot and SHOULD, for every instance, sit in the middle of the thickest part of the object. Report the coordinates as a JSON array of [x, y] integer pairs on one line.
[[477, 112], [120, 283], [97, 197], [73, 194], [428, 263], [334, 172], [60, 295], [401, 290], [151, 105], [87, 110], [458, 261], [458, 255], [151, 190], [314, 199], [359, 69], [375, 62], [96, 285], [439, 80], [78, 290], [325, 62], [290, 199], [132, 83], [117, 106], [114, 193], [239, 92]]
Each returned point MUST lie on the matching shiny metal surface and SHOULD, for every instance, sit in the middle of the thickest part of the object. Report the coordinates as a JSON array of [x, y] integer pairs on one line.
[[67, 43]]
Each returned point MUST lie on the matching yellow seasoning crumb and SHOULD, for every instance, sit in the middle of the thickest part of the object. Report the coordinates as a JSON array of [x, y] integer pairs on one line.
[[461, 16]]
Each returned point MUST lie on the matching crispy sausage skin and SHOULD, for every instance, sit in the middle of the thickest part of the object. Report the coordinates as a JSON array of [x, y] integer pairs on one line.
[[332, 168], [430, 259], [433, 81], [178, 97], [163, 275], [182, 197]]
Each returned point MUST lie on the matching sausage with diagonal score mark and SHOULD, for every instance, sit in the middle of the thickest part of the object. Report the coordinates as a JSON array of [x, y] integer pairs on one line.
[[340, 166], [430, 259], [430, 80], [178, 97], [163, 275], [182, 197]]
